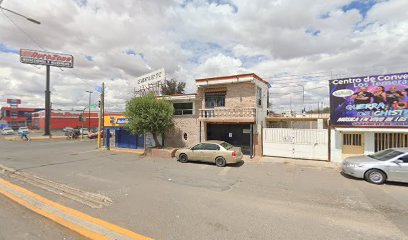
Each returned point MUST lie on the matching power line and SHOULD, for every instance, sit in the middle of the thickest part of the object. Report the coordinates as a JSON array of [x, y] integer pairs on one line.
[[279, 95], [22, 30]]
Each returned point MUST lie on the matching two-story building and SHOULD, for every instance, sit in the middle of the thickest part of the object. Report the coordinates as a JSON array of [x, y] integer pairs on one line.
[[228, 108]]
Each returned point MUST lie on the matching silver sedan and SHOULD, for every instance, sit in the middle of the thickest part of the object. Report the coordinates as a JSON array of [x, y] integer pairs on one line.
[[387, 165]]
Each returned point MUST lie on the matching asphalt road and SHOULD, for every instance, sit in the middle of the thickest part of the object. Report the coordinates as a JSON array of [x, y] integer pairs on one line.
[[165, 199]]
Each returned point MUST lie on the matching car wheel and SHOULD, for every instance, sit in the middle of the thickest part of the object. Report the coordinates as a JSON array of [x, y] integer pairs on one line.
[[183, 158], [375, 176], [220, 162]]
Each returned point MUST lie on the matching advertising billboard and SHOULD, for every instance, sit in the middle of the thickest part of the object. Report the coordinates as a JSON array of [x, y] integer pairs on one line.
[[46, 58], [150, 82], [379, 100], [13, 101]]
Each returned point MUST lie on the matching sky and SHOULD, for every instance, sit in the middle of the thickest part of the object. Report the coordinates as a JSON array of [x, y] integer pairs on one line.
[[292, 44]]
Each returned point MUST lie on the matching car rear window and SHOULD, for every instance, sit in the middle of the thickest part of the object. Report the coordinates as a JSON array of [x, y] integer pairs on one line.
[[226, 145], [385, 154]]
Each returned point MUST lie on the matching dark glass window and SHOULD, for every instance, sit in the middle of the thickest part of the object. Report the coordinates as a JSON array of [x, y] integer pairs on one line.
[[215, 99], [183, 108]]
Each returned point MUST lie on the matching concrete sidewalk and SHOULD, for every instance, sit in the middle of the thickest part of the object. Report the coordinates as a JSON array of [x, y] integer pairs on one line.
[[301, 162]]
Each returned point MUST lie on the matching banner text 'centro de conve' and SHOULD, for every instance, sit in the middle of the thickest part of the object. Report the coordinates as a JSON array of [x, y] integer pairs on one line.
[[380, 100]]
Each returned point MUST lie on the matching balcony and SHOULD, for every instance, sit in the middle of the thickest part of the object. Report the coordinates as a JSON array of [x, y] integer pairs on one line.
[[222, 114]]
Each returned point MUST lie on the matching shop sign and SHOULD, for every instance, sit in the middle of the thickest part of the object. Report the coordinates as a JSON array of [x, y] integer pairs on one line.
[[378, 100], [115, 121], [46, 58]]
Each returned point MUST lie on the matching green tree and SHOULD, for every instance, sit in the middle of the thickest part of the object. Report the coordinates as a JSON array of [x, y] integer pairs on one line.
[[172, 87], [149, 114]]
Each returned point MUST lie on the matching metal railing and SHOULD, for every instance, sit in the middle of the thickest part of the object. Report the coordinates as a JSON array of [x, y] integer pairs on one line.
[[228, 113]]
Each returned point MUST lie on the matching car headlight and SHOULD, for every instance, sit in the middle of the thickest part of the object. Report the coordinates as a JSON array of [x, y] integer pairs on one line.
[[356, 165]]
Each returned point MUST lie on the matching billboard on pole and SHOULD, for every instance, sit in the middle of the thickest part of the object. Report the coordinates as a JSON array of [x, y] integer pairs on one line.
[[378, 100], [46, 58], [150, 82], [13, 101]]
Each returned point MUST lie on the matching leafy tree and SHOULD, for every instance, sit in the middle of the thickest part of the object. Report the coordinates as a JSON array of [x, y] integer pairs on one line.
[[173, 87], [149, 114]]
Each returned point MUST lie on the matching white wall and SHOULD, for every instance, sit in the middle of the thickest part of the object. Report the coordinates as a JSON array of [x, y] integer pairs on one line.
[[261, 112], [336, 145]]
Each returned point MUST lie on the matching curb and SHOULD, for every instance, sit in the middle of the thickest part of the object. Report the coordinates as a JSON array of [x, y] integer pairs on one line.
[[86, 225], [125, 151]]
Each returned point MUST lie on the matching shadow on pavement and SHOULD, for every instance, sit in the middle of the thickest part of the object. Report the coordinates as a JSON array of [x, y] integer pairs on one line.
[[235, 165], [386, 183]]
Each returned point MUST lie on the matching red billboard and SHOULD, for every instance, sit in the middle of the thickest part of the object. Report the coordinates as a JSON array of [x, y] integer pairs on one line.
[[13, 101], [46, 58]]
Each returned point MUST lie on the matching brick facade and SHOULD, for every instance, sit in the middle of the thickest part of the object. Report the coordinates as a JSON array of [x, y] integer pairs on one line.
[[241, 94]]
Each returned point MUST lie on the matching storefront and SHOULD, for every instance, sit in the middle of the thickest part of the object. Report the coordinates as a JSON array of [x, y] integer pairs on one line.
[[115, 124], [368, 114]]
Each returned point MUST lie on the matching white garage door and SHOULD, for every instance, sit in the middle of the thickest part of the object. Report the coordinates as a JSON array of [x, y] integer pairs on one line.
[[296, 143]]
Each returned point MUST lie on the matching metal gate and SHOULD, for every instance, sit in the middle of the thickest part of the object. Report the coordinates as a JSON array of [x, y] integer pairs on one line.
[[296, 143], [390, 140]]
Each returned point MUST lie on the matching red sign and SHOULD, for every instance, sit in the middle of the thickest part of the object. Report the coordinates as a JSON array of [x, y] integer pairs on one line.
[[13, 101], [46, 58]]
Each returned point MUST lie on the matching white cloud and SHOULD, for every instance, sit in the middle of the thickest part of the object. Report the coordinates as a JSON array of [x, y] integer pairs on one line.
[[198, 38]]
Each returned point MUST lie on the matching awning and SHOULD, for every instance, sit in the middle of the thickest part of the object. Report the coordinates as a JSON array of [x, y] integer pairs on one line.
[[378, 130]]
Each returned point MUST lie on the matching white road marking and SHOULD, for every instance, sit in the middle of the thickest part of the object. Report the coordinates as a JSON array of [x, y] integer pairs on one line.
[[224, 171]]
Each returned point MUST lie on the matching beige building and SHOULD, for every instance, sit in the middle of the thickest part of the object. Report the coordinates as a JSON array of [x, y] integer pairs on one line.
[[229, 108]]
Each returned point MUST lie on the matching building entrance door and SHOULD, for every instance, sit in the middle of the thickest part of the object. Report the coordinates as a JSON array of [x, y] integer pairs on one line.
[[235, 134], [353, 144]]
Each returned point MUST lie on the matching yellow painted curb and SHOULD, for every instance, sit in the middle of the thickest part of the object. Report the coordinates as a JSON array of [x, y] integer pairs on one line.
[[83, 231], [48, 138], [126, 151]]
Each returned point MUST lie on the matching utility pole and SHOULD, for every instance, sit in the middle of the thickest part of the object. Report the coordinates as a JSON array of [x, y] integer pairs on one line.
[[47, 102], [100, 119], [89, 111]]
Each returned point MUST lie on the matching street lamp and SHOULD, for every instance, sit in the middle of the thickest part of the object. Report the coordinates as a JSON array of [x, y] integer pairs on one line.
[[18, 14], [89, 111]]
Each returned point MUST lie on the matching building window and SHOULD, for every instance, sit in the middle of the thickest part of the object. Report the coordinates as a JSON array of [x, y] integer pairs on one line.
[[183, 108], [390, 140], [352, 139], [185, 136], [216, 99], [259, 96]]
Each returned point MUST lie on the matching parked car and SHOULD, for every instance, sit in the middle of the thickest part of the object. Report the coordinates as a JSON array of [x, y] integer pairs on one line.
[[387, 165], [23, 129], [94, 135], [218, 152], [7, 131], [67, 129], [83, 131]]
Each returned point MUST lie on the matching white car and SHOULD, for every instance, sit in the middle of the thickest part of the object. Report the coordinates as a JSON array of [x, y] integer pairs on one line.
[[7, 131], [83, 131]]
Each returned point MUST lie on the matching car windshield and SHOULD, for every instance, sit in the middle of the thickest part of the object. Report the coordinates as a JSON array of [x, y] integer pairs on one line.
[[226, 145], [385, 154]]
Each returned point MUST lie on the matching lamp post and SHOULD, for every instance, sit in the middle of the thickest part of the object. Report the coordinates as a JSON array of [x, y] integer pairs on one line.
[[18, 14], [89, 111]]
